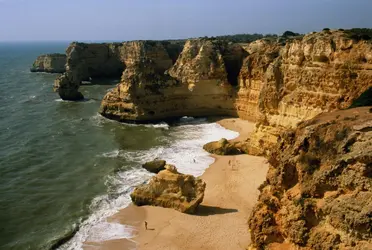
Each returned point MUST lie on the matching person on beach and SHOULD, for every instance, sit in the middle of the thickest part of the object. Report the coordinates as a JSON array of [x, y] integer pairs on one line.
[[146, 225]]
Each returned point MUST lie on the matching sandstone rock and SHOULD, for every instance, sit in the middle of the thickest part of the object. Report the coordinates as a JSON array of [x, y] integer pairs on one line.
[[195, 85], [285, 85], [318, 192], [154, 166], [171, 189], [275, 84], [222, 147], [50, 63], [109, 60], [66, 89]]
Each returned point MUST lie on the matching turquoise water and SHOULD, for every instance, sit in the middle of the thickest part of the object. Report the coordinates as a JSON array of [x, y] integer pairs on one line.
[[63, 167]]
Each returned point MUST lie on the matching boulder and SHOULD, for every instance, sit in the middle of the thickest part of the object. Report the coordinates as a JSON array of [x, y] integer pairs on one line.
[[154, 166], [171, 189], [49, 63], [223, 147]]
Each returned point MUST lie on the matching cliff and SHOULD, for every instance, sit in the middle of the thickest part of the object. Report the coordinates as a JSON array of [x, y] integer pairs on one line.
[[49, 63], [197, 84], [276, 83], [318, 192], [109, 60], [319, 73]]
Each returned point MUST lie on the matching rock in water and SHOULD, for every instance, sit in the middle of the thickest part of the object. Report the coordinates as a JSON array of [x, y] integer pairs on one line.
[[318, 190], [50, 63], [171, 189], [154, 166]]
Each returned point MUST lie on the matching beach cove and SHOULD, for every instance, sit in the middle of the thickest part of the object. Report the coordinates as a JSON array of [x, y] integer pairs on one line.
[[220, 221]]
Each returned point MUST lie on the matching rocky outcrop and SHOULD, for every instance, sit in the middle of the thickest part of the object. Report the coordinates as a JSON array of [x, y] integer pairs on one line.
[[109, 60], [171, 189], [318, 192], [154, 166], [320, 72], [224, 147], [86, 61], [274, 83], [197, 84], [49, 63]]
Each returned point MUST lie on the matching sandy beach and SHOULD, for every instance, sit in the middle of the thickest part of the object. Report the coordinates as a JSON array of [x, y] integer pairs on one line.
[[221, 219]]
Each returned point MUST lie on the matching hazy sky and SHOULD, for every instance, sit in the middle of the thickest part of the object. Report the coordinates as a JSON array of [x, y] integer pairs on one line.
[[165, 19]]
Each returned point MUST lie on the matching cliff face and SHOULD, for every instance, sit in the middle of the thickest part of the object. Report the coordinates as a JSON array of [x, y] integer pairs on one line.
[[109, 60], [85, 61], [319, 73], [197, 84], [318, 192], [265, 81], [277, 84], [50, 63]]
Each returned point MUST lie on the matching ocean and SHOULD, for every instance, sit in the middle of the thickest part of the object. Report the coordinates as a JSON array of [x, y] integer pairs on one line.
[[64, 169]]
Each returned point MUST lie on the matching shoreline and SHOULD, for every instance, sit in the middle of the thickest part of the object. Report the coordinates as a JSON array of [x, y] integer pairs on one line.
[[221, 219]]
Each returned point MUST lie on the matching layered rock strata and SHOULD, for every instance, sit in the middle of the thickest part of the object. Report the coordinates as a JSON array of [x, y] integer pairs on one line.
[[49, 63], [171, 189], [273, 83], [196, 85], [318, 192], [319, 73]]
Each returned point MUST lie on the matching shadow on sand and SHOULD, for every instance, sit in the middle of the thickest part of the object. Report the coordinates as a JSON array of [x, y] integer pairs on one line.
[[203, 210]]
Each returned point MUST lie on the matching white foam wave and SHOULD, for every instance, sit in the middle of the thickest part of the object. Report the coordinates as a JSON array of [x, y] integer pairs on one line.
[[96, 228], [185, 152]]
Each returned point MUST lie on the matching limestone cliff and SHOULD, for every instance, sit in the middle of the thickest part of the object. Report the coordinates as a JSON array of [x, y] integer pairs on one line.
[[49, 63], [275, 83], [85, 61], [318, 73], [197, 84], [109, 60], [318, 192]]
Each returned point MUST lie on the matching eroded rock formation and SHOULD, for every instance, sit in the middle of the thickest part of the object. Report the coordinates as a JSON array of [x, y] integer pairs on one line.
[[276, 83], [171, 189], [319, 73], [273, 83], [197, 84], [109, 60], [49, 63], [318, 192]]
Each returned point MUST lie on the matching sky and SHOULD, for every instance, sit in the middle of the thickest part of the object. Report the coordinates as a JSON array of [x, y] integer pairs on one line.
[[119, 20]]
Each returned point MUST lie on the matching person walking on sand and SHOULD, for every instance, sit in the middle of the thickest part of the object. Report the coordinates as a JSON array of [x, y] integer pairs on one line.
[[146, 225]]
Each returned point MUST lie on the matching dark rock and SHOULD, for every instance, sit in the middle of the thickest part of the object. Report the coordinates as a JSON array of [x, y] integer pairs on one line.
[[154, 166]]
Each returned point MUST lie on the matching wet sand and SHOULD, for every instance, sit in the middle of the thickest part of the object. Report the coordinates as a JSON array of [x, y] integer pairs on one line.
[[221, 220]]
